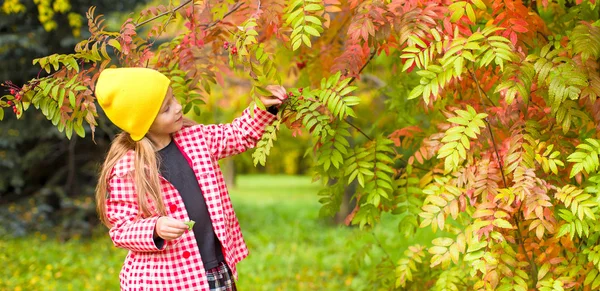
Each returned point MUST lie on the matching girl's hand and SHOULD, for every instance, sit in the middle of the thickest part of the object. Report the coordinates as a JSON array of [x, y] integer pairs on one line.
[[277, 98], [169, 228]]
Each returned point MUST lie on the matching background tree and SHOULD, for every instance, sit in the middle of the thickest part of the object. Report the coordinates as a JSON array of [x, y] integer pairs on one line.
[[489, 132], [46, 179]]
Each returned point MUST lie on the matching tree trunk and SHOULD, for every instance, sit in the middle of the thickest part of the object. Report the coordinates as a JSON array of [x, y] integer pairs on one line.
[[347, 205]]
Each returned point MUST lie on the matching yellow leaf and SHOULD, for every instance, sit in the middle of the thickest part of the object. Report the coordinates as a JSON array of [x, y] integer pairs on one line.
[[454, 253], [437, 250], [543, 271], [479, 4], [471, 13], [437, 200], [442, 241], [499, 222]]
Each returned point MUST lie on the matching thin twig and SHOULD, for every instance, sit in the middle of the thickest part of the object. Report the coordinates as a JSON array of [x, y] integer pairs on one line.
[[364, 65], [359, 130], [489, 127], [354, 79], [518, 232], [373, 53], [164, 13], [481, 90]]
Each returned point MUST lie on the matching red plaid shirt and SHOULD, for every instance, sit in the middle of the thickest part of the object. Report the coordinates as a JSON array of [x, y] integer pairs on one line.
[[177, 265]]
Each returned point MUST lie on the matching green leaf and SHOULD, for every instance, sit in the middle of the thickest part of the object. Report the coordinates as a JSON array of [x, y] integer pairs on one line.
[[313, 19], [499, 222], [311, 30], [480, 5], [313, 7], [416, 92], [79, 129], [72, 99], [190, 224], [73, 63], [296, 44], [471, 13], [114, 43], [457, 14]]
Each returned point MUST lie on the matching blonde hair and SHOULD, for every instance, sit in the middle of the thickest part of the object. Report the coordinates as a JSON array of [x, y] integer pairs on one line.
[[146, 174]]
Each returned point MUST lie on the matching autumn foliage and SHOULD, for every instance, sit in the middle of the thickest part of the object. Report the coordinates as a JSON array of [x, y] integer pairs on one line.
[[507, 167]]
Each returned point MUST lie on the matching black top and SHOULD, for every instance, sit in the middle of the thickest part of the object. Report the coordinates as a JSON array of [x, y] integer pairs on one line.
[[175, 168]]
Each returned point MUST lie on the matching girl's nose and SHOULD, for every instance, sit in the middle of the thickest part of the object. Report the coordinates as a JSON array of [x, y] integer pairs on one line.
[[178, 106]]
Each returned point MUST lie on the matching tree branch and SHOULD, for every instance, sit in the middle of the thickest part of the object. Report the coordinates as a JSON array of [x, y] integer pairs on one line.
[[518, 232], [359, 130], [206, 25], [489, 127], [364, 65], [164, 13], [354, 79], [479, 89]]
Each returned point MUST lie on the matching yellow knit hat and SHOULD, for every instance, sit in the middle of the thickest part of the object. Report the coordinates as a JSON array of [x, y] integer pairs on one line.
[[132, 97]]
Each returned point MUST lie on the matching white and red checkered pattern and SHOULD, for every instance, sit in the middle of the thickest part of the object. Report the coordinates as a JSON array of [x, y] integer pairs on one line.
[[178, 266]]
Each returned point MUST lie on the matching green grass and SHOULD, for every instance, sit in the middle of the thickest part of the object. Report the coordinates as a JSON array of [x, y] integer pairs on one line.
[[290, 247]]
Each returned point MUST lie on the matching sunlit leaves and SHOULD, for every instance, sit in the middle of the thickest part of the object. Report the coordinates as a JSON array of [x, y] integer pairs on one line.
[[303, 17], [264, 145], [460, 8], [246, 37], [549, 159], [432, 81], [480, 48], [334, 93], [586, 157], [586, 41], [517, 79], [446, 250], [580, 203], [406, 266], [441, 201], [457, 139]]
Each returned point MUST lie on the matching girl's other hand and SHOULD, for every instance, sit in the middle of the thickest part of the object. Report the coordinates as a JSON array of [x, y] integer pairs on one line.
[[169, 228], [277, 98]]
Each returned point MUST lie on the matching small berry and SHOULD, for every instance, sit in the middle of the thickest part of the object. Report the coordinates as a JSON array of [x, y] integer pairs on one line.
[[290, 94], [301, 65], [12, 91], [15, 109], [234, 50], [226, 44], [225, 47], [9, 103], [18, 97], [300, 90]]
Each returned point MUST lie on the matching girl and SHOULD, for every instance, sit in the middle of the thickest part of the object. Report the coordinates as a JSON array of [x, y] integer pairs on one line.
[[161, 172]]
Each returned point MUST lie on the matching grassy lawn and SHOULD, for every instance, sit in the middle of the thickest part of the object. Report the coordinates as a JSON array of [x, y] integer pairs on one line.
[[290, 247]]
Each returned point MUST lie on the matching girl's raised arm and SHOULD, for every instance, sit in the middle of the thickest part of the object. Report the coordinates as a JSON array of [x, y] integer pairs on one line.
[[242, 133]]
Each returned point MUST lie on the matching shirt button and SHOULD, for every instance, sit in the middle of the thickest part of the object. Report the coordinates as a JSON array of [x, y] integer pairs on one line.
[[172, 208], [186, 254]]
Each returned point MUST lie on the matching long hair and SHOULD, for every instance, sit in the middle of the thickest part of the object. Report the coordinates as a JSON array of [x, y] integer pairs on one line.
[[146, 174]]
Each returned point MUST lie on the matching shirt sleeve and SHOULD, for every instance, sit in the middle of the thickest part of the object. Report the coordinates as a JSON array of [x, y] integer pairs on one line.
[[242, 133], [128, 231]]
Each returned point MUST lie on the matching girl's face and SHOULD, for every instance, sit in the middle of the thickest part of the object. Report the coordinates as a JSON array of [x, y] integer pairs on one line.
[[170, 117]]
